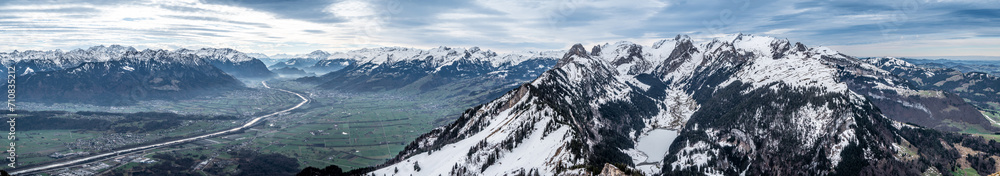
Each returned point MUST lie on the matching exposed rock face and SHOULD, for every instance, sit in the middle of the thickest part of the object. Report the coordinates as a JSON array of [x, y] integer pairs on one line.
[[611, 170]]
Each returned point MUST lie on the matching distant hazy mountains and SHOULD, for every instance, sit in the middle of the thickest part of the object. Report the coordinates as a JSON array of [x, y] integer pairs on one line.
[[232, 62], [116, 75], [978, 83], [317, 62], [966, 66], [949, 89], [292, 72]]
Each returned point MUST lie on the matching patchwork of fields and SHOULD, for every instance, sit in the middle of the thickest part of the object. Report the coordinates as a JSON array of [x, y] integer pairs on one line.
[[351, 130]]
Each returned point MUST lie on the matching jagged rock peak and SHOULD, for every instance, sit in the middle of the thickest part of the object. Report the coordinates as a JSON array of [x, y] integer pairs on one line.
[[739, 37], [622, 52], [595, 51], [677, 40], [800, 47], [577, 50]]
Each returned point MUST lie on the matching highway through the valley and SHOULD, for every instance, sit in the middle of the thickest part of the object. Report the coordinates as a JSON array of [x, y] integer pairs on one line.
[[246, 125]]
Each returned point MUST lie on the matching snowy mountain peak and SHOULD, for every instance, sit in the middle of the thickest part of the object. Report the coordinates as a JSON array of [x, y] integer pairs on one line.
[[889, 61], [621, 52], [627, 57], [577, 49], [800, 46], [229, 60], [575, 52], [750, 43], [109, 49], [519, 57], [319, 53], [45, 60], [103, 53], [477, 53], [677, 38], [443, 48], [222, 54], [596, 50], [663, 49], [439, 56]]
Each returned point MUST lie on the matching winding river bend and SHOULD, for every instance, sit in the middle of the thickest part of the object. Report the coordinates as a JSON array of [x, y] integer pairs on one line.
[[246, 125]]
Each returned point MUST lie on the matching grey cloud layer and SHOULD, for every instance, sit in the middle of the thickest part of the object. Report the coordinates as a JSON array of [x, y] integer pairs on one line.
[[549, 25]]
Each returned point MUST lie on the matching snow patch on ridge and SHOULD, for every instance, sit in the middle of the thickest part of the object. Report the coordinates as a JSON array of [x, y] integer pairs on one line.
[[796, 70], [27, 70]]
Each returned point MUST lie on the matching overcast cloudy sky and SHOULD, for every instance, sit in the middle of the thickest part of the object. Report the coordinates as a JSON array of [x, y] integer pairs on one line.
[[855, 27]]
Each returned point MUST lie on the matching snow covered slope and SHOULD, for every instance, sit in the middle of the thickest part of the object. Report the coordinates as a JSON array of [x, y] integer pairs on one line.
[[740, 105]]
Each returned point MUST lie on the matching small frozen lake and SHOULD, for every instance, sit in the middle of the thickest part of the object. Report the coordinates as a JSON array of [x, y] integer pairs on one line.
[[656, 143]]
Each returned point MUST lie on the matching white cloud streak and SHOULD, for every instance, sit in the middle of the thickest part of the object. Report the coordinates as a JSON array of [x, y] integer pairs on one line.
[[857, 27], [149, 25]]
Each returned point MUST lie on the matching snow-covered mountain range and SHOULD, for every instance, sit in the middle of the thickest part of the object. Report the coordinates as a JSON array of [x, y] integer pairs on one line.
[[231, 61], [119, 75], [321, 62], [41, 61], [474, 72], [737, 105], [441, 61]]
